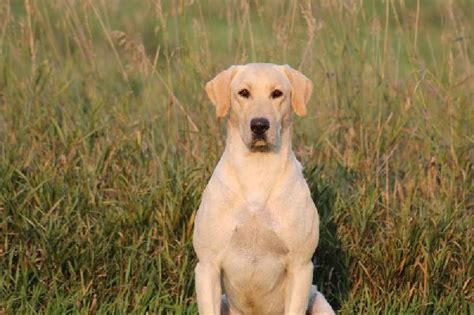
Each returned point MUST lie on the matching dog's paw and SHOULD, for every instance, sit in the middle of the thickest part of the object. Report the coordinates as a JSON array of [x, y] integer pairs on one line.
[[318, 304]]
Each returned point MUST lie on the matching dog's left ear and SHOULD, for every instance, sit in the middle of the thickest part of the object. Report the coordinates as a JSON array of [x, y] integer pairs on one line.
[[218, 90], [301, 89]]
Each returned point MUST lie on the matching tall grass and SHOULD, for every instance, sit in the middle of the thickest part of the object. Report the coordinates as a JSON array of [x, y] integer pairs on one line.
[[107, 141]]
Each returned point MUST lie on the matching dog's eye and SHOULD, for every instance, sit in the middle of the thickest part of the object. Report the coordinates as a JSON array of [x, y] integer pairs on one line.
[[276, 94], [244, 93]]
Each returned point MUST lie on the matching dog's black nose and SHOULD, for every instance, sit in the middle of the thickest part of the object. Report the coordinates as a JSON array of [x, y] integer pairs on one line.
[[259, 125]]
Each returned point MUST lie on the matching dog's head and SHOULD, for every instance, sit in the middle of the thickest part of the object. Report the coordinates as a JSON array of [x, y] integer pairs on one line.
[[259, 97]]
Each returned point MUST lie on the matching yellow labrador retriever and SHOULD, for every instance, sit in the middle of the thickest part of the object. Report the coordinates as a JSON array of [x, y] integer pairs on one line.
[[257, 226]]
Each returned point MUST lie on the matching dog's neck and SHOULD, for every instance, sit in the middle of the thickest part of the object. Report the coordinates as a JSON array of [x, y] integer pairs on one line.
[[252, 175]]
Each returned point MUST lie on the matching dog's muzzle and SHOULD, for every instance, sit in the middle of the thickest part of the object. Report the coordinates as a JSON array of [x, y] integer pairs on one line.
[[259, 127]]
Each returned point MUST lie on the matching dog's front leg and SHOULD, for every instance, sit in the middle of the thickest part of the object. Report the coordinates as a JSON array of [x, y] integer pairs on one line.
[[208, 288], [297, 291]]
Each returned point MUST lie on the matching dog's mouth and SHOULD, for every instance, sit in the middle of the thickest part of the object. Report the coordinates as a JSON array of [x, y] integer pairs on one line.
[[260, 144]]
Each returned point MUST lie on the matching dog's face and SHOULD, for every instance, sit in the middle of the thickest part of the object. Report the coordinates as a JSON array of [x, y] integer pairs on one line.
[[259, 101], [259, 98]]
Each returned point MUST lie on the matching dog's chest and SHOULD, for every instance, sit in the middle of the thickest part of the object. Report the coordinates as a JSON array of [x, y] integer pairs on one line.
[[255, 234], [256, 258]]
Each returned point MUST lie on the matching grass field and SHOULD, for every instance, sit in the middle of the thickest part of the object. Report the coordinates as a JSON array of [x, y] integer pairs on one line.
[[107, 140]]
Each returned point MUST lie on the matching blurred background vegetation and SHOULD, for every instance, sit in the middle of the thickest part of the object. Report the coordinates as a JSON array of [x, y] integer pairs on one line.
[[107, 140]]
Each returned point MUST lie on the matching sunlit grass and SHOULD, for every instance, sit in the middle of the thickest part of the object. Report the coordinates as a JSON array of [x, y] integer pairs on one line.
[[107, 140]]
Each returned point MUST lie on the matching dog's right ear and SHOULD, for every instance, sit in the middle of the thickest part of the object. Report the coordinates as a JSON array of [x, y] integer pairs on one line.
[[218, 91]]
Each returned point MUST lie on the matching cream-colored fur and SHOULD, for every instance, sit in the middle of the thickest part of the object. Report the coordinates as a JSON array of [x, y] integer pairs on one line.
[[257, 226]]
